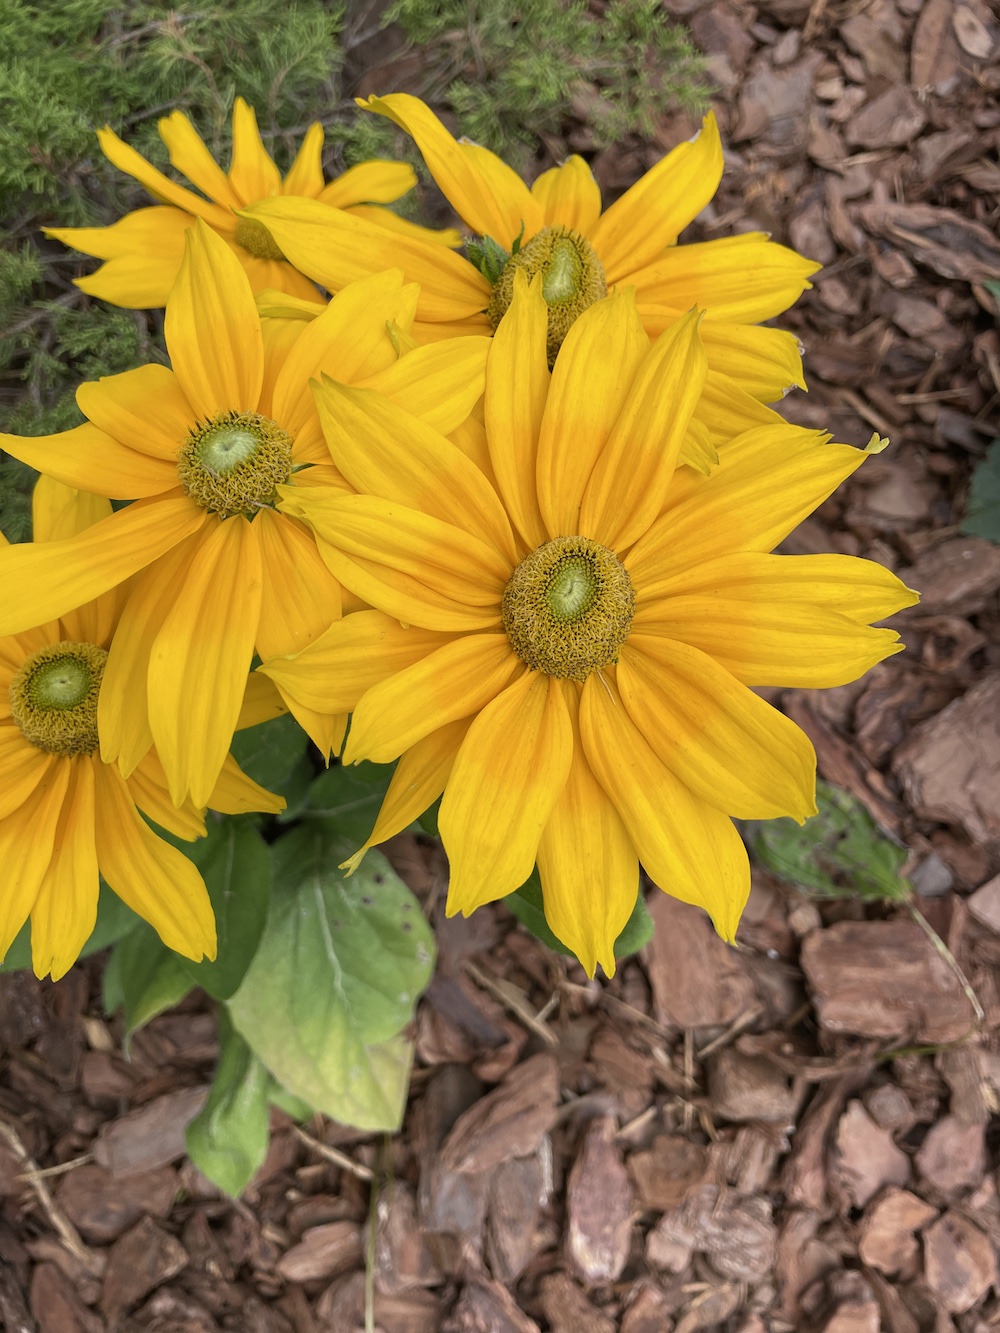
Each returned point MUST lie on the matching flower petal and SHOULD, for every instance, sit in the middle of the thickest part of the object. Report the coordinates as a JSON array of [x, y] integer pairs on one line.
[[300, 597], [150, 876], [237, 794], [147, 786], [261, 702], [91, 460], [487, 195], [201, 657], [517, 384], [739, 279], [161, 187], [43, 580], [387, 220], [728, 410], [384, 451], [375, 182], [23, 766], [65, 911], [144, 409], [631, 475], [455, 681], [587, 864], [569, 196], [508, 776], [768, 480], [440, 384], [331, 674], [59, 511], [764, 362], [252, 172], [27, 840], [212, 329], [305, 176], [334, 248], [688, 847], [189, 155], [418, 781], [652, 214], [590, 382], [760, 643], [143, 252], [726, 744]]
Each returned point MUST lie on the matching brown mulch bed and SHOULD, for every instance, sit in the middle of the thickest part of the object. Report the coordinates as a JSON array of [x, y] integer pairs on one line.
[[799, 1135]]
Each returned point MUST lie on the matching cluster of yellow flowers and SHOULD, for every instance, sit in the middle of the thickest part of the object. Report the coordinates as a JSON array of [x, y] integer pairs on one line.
[[511, 514]]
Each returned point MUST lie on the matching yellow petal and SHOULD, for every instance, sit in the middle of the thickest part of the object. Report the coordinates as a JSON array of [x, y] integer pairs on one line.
[[59, 511], [252, 173], [153, 878], [450, 683], [236, 794], [90, 460], [764, 362], [388, 220], [517, 384], [569, 196], [761, 643], [509, 773], [27, 840], [43, 580], [486, 194], [305, 176], [189, 155], [144, 252], [147, 786], [331, 674], [727, 410], [590, 382], [631, 475], [419, 779], [726, 744], [335, 248], [201, 656], [441, 384], [768, 480], [212, 329], [587, 864], [161, 187], [740, 279], [384, 451], [300, 597], [375, 182], [23, 766], [652, 214], [688, 847], [123, 704], [65, 911], [143, 408], [266, 274], [261, 702]]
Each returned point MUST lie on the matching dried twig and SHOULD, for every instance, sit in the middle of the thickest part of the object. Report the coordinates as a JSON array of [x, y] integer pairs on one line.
[[334, 1155], [34, 1176]]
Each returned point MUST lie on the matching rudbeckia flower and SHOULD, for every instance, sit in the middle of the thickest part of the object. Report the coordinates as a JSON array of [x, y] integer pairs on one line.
[[569, 653], [65, 815], [143, 251], [557, 228], [201, 449]]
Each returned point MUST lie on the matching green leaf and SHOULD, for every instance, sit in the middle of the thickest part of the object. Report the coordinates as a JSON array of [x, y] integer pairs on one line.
[[527, 905], [840, 853], [270, 751], [335, 979], [983, 516], [114, 920], [235, 862], [349, 800], [490, 257], [144, 977], [227, 1140], [288, 1102]]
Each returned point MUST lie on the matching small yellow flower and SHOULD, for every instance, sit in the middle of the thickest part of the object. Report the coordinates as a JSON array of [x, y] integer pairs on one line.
[[65, 816], [143, 251], [558, 229], [569, 652], [202, 449]]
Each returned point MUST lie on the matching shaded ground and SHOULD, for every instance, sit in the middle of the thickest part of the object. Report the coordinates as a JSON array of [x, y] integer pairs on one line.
[[799, 1135]]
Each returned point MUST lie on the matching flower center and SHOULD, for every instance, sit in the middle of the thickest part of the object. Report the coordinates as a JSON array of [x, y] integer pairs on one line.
[[572, 279], [232, 464], [567, 608], [53, 697], [255, 238]]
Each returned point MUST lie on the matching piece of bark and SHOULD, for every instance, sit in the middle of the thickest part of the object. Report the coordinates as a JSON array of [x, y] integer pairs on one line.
[[953, 1155], [666, 1172], [984, 904], [487, 1307], [889, 121], [749, 1087], [960, 576], [518, 1190], [647, 1309], [736, 1235], [567, 1309], [697, 980], [150, 1137], [402, 1259], [323, 1252], [886, 1239], [341, 1309], [598, 1207], [959, 1262], [56, 1304], [140, 1260], [101, 1207], [508, 1122], [865, 1158]]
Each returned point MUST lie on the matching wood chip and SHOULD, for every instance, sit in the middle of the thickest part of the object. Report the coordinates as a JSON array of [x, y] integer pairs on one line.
[[150, 1137], [140, 1260], [697, 979], [670, 1169], [750, 1087], [567, 1308], [518, 1191], [508, 1122], [102, 1206], [953, 1155], [865, 1157], [323, 1252], [735, 1234], [886, 1239], [598, 1207], [959, 1262]]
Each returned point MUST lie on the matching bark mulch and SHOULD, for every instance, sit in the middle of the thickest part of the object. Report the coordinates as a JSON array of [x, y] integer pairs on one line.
[[799, 1135]]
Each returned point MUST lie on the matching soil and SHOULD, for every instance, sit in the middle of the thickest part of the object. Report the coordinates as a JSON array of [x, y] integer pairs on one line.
[[801, 1134]]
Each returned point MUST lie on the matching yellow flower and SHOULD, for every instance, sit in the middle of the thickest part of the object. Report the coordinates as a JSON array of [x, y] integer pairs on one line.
[[569, 654], [201, 449], [557, 228], [143, 251], [64, 814]]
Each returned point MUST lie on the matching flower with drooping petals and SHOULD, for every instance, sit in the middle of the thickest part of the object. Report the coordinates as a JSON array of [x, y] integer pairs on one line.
[[568, 652], [143, 251]]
